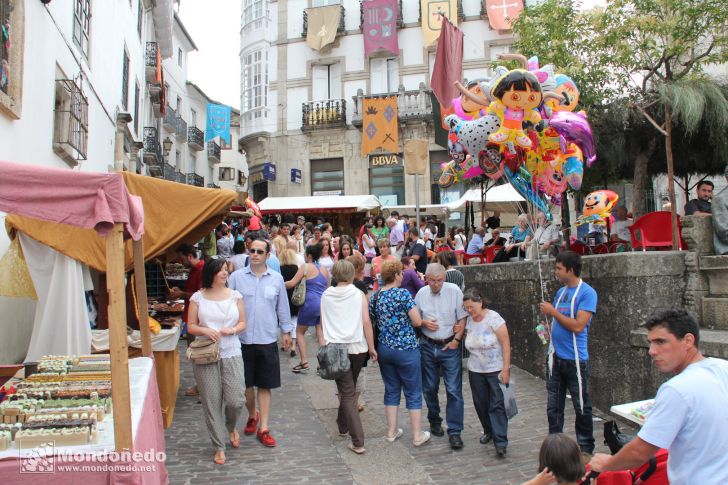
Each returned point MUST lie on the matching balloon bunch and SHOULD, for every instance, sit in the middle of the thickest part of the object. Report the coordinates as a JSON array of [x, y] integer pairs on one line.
[[597, 207], [521, 124]]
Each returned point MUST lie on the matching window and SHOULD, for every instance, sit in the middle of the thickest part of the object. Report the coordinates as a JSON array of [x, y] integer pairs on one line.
[[326, 82], [177, 158], [255, 81], [323, 3], [252, 10], [81, 24], [137, 92], [12, 14], [193, 117], [494, 50], [327, 177], [140, 17], [70, 137], [384, 75], [227, 174], [387, 180], [179, 57], [125, 81]]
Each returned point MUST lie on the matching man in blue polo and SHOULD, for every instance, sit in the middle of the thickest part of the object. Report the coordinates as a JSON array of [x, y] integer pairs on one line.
[[571, 314], [266, 309]]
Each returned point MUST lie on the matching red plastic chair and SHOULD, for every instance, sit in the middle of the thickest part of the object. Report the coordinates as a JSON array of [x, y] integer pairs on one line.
[[579, 248], [467, 257], [600, 249], [654, 230], [491, 252]]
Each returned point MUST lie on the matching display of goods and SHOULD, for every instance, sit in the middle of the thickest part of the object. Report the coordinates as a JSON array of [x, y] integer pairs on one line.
[[31, 438], [60, 423], [5, 439]]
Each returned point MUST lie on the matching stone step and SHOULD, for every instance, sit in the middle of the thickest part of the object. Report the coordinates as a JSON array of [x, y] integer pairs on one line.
[[716, 269], [713, 343], [715, 312]]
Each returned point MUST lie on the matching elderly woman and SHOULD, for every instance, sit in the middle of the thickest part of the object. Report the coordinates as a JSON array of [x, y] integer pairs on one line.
[[395, 314], [488, 366], [217, 313], [345, 320], [516, 245], [384, 256], [545, 238]]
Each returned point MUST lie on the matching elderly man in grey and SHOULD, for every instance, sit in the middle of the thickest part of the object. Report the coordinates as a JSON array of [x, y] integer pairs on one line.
[[720, 219], [441, 307]]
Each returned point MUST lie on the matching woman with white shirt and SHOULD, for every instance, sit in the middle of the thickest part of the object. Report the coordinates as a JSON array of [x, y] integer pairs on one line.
[[489, 365], [217, 313], [326, 260], [342, 324]]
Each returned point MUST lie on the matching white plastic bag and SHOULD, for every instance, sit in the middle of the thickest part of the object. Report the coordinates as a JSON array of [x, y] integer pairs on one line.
[[509, 399]]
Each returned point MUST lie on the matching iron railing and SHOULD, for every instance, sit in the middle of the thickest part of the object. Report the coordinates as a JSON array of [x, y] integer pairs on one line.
[[71, 119], [213, 186], [170, 119], [170, 173], [411, 105], [196, 180], [213, 152], [339, 30], [195, 138], [151, 62], [180, 127], [400, 18], [152, 149], [330, 113]]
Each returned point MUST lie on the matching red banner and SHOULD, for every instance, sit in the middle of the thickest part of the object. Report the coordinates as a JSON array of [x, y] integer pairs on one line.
[[501, 13], [380, 26]]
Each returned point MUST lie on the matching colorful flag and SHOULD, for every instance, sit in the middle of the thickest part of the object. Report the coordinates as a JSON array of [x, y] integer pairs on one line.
[[380, 26], [448, 64], [322, 25], [432, 12], [218, 122], [379, 125], [501, 13]]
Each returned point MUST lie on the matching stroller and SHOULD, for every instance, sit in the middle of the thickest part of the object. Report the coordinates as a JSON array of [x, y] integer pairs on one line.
[[654, 472]]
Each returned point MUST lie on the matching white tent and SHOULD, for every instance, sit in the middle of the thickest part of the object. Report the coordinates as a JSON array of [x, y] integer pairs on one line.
[[323, 203], [502, 198]]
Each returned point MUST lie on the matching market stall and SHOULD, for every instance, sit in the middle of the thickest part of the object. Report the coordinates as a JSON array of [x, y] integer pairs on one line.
[[343, 211], [503, 198], [174, 214], [101, 203]]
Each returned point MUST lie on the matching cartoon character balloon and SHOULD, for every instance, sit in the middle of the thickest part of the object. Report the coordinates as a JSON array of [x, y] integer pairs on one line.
[[516, 95], [250, 204], [597, 207]]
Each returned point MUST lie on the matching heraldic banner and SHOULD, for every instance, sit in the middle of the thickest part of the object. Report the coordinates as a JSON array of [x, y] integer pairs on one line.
[[322, 25], [218, 122], [502, 13], [379, 125], [432, 20], [380, 26]]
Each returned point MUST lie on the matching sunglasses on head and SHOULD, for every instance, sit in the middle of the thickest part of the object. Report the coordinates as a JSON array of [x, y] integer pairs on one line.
[[257, 251]]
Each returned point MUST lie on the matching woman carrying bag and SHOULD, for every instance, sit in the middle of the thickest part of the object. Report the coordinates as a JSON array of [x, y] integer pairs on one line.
[[343, 324], [217, 313]]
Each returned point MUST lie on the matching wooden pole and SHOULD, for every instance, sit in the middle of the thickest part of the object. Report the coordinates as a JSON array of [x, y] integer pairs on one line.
[[140, 282], [119, 353]]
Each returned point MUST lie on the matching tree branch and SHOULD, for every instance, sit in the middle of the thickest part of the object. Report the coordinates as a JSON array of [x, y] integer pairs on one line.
[[649, 118], [689, 64]]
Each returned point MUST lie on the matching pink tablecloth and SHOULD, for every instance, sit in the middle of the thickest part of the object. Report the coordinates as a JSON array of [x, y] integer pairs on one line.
[[149, 438]]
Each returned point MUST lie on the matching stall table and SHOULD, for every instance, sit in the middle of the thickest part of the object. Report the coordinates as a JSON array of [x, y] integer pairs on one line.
[[626, 411], [97, 463]]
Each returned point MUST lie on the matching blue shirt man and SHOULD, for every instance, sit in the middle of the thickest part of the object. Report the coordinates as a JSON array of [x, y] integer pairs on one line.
[[476, 244], [571, 315]]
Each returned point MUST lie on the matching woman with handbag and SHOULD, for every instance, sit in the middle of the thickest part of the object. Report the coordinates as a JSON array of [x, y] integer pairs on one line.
[[489, 366], [309, 314], [398, 349], [342, 323], [217, 314], [289, 268]]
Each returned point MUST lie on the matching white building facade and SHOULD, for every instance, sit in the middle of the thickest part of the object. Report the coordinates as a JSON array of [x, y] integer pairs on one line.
[[285, 83]]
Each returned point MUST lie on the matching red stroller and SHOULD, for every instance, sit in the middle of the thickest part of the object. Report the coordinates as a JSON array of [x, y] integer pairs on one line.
[[654, 472]]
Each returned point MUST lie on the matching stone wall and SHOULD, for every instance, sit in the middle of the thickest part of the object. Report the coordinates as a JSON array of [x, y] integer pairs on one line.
[[630, 287]]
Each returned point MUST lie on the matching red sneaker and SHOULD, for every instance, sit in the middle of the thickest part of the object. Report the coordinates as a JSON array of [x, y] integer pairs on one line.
[[251, 425], [265, 438]]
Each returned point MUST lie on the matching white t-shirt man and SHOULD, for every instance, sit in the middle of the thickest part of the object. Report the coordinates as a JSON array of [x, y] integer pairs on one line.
[[690, 419], [621, 229]]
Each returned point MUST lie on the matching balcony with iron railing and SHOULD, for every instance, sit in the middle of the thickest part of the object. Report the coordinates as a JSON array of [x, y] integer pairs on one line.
[[170, 120], [213, 186], [152, 63], [196, 180], [411, 105], [195, 138], [330, 113], [180, 127], [339, 30], [152, 154], [170, 173], [180, 177], [213, 152]]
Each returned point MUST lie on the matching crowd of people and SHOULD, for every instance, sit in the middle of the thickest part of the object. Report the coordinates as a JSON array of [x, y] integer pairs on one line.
[[415, 320]]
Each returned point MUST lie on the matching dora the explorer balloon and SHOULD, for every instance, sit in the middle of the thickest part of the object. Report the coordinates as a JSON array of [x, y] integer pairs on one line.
[[516, 96]]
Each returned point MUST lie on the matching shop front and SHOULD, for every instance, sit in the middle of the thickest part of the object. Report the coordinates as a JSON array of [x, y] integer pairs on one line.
[[386, 178]]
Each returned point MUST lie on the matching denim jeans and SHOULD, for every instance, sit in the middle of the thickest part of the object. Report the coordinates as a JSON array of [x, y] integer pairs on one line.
[[490, 406], [563, 377], [451, 363], [400, 371]]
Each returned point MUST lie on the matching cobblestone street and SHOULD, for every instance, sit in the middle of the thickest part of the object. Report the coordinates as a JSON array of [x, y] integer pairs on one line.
[[310, 451]]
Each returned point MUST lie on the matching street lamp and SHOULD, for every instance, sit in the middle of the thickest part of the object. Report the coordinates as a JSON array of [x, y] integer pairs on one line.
[[167, 144]]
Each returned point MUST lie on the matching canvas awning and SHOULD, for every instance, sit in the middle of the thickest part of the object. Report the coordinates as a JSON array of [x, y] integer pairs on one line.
[[174, 213], [319, 204], [502, 198], [81, 199]]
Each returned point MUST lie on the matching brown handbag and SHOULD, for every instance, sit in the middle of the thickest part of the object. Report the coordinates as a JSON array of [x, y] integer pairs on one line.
[[203, 351]]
